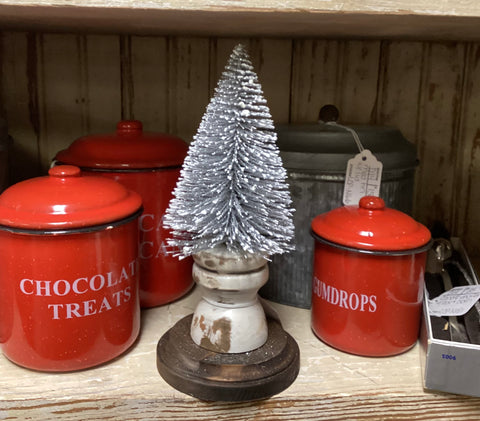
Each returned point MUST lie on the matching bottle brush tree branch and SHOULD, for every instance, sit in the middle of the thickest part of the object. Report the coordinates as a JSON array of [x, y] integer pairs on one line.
[[232, 188]]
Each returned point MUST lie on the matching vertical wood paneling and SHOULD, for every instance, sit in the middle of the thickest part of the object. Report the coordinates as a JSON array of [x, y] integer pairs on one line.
[[188, 84], [101, 83], [467, 199], [343, 73], [62, 93], [272, 62], [358, 81], [149, 64], [400, 87], [57, 87], [439, 115], [20, 102], [315, 77], [126, 77]]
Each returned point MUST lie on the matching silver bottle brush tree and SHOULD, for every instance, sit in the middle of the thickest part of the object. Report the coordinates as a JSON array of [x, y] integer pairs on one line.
[[231, 210]]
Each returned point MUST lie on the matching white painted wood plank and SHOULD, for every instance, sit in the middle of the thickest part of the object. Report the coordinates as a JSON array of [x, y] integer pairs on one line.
[[62, 88], [446, 7], [344, 73], [20, 107], [102, 83], [439, 116], [330, 385], [358, 80], [188, 85], [272, 63], [315, 77], [399, 87], [466, 198], [348, 19], [149, 65]]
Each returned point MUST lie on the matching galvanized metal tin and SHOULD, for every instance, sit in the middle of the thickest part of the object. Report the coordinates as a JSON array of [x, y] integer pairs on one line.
[[315, 156]]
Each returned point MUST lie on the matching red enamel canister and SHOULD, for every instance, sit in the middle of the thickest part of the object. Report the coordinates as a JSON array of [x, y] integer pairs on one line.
[[68, 270], [369, 264], [148, 163]]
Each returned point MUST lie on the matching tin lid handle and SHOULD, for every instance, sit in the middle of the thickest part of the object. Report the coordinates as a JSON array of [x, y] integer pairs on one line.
[[328, 113]]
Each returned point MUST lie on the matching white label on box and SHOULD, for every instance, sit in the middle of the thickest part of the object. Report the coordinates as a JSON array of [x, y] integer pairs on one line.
[[455, 302], [363, 177]]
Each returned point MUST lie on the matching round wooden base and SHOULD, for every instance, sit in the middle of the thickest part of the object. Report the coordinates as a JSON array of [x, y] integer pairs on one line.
[[212, 376]]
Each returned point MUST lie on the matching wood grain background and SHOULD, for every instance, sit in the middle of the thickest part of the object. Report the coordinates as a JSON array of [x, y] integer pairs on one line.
[[57, 87]]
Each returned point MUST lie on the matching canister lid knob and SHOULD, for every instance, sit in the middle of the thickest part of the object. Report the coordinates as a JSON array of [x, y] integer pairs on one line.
[[129, 127], [62, 171], [371, 203]]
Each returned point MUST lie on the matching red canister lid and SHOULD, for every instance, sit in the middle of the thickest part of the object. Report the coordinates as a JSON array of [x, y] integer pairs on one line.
[[65, 199], [129, 147], [371, 226]]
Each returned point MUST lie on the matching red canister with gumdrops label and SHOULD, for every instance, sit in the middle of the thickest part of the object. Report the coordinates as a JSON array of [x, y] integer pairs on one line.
[[148, 163], [369, 264], [68, 270]]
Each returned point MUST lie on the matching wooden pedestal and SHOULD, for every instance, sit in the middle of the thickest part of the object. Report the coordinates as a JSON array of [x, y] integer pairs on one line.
[[212, 376]]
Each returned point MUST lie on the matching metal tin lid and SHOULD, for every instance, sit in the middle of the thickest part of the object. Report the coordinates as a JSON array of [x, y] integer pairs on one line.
[[371, 226], [128, 148], [65, 200], [327, 147]]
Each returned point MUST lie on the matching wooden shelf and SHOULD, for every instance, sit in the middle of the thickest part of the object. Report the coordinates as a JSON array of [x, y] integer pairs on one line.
[[331, 385], [406, 19]]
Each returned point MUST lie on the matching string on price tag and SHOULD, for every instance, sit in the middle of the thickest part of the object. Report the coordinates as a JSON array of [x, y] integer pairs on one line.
[[363, 176]]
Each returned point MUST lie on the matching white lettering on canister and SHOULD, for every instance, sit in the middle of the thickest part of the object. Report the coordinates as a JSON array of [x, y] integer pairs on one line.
[[43, 288], [97, 285], [26, 289], [353, 301], [146, 222], [344, 299], [149, 247], [115, 289], [76, 289], [146, 250], [61, 287]]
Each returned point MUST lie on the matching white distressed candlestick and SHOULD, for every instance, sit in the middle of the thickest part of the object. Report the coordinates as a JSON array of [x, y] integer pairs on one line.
[[230, 317]]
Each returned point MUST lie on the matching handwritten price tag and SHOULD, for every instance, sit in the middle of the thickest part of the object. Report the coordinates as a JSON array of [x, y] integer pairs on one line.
[[363, 177], [455, 302]]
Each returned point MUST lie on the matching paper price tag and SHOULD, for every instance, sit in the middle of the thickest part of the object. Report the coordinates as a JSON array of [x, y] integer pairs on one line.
[[363, 177], [455, 302]]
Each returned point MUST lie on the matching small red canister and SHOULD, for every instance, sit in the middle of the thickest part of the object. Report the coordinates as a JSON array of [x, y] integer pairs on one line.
[[369, 265], [148, 163], [68, 270]]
